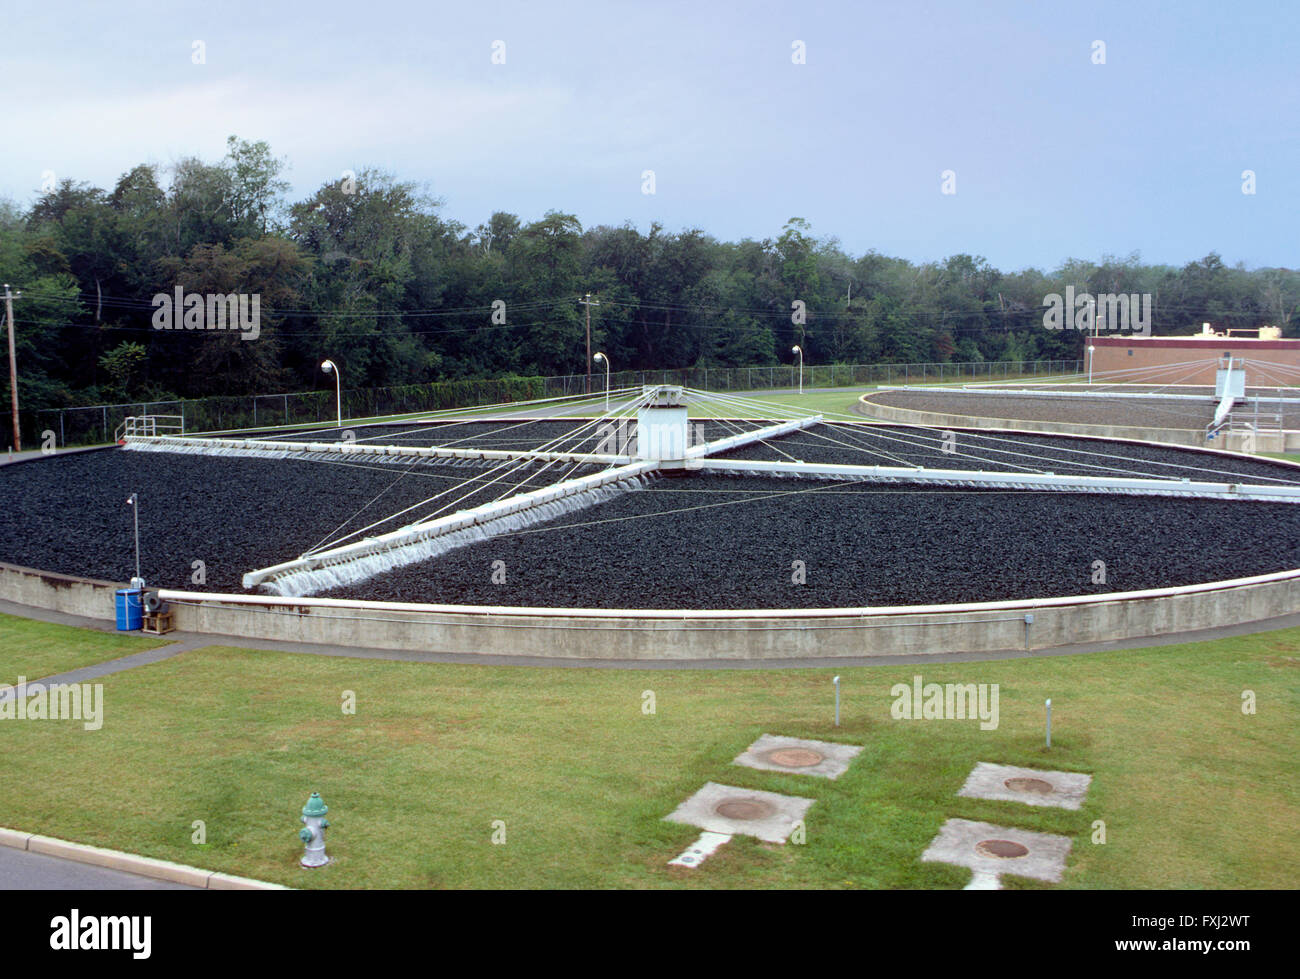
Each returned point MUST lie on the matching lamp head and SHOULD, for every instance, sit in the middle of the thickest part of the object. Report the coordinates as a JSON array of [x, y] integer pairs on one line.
[[327, 366]]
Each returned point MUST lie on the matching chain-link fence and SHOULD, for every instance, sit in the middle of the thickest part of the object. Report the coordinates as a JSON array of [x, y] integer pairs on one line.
[[786, 376], [97, 424]]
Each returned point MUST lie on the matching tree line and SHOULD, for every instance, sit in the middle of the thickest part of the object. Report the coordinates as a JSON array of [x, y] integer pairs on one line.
[[367, 272]]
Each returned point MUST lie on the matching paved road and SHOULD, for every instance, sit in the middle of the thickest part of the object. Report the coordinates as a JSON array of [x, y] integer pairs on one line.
[[20, 870]]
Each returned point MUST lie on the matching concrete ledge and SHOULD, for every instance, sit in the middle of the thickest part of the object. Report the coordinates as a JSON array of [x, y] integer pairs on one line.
[[87, 597], [772, 634], [14, 838], [687, 635], [176, 873], [226, 882]]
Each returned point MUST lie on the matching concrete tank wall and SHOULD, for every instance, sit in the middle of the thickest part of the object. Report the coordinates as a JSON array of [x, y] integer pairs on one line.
[[630, 636]]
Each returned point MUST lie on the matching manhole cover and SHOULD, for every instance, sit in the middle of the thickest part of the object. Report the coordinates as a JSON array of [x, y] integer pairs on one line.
[[1037, 785], [794, 757], [1002, 849], [744, 809]]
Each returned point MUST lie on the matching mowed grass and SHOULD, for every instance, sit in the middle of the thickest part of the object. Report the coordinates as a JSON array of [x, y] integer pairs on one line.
[[34, 649], [1193, 792]]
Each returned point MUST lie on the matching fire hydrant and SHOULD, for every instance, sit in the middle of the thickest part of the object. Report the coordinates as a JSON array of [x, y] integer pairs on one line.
[[313, 833]]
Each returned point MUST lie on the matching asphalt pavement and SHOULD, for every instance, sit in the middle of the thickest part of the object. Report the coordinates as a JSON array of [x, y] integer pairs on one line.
[[23, 871]]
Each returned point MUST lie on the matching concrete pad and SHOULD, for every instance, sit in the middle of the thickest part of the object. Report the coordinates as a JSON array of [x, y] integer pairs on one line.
[[14, 838], [1007, 783], [116, 860], [799, 756], [967, 844], [768, 816], [700, 850]]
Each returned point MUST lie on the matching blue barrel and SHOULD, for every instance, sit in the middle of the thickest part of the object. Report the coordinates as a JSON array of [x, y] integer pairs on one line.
[[130, 609]]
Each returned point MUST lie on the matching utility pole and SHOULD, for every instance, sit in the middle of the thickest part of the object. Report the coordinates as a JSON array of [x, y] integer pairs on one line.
[[13, 364], [589, 302]]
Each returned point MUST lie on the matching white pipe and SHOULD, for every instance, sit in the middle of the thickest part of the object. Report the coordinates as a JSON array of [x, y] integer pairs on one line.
[[260, 447], [444, 525], [1036, 481], [757, 435], [767, 613]]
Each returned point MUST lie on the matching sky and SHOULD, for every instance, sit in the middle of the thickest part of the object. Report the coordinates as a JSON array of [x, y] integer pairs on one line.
[[1052, 154]]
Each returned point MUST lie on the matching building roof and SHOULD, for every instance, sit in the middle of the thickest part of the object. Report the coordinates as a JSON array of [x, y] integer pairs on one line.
[[1194, 342]]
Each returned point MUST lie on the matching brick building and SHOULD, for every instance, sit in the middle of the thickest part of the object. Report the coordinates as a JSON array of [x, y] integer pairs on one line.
[[1269, 360]]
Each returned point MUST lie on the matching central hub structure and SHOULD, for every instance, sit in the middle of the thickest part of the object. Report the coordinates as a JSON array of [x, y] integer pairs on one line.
[[662, 428]]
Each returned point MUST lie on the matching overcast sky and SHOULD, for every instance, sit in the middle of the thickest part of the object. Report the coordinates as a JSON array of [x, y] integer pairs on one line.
[[1054, 156]]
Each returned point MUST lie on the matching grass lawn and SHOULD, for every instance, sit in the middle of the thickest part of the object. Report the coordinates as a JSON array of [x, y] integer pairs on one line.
[[38, 649], [1193, 793]]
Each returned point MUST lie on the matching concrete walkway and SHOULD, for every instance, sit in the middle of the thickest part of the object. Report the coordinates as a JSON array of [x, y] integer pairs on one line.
[[95, 671], [185, 641]]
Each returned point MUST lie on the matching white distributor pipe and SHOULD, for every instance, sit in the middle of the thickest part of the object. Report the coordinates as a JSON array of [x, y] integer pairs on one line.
[[757, 435], [265, 449], [975, 478], [462, 519]]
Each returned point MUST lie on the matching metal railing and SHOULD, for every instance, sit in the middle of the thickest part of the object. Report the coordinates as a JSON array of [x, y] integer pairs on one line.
[[149, 425]]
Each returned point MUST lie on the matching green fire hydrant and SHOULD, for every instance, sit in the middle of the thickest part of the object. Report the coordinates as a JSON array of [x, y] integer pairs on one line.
[[313, 832]]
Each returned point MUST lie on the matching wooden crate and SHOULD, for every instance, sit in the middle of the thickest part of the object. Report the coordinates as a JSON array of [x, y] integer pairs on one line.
[[158, 623]]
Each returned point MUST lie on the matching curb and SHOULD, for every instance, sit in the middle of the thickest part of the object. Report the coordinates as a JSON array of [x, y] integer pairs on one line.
[[176, 873]]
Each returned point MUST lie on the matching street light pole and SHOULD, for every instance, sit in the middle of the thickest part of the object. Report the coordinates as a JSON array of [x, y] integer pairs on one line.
[[799, 350], [601, 356], [134, 504], [13, 364], [329, 367], [589, 302], [1092, 346]]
